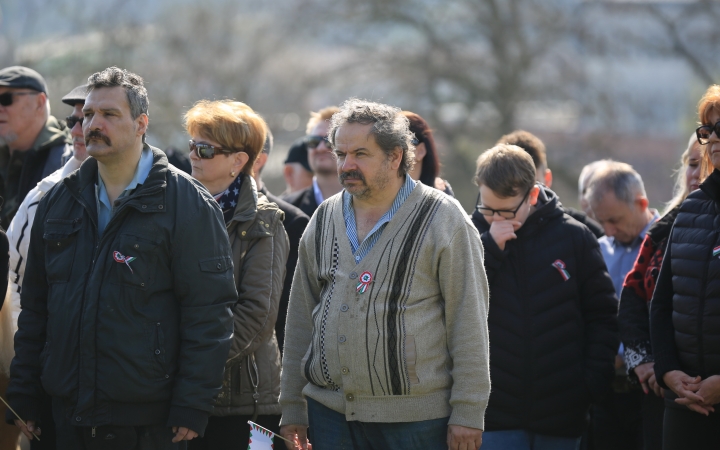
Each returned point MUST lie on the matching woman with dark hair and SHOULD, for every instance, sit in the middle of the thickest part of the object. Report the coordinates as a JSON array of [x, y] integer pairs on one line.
[[427, 163], [684, 313]]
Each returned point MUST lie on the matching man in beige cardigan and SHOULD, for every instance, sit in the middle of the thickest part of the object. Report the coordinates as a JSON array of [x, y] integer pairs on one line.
[[386, 341]]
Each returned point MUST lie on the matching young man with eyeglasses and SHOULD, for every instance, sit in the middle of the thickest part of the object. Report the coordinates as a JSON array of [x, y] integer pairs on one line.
[[34, 141], [552, 315], [322, 162]]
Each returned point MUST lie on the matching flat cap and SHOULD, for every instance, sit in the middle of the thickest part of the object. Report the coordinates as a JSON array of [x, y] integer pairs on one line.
[[298, 153], [76, 96], [22, 77]]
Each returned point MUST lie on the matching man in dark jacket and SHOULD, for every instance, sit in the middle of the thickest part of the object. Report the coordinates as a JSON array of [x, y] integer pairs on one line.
[[34, 141], [294, 222], [322, 162], [553, 330], [125, 316]]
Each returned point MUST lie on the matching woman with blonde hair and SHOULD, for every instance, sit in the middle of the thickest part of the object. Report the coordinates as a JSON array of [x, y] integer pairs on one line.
[[226, 138], [634, 313]]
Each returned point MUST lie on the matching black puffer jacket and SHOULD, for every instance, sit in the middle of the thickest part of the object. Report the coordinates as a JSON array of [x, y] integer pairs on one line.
[[136, 343], [685, 309], [552, 340]]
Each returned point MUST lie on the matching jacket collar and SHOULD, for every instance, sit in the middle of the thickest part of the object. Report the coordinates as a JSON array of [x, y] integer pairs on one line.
[[149, 197], [711, 186], [52, 134], [246, 208]]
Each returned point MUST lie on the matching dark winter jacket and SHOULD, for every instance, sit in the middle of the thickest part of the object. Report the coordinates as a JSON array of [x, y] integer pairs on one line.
[[552, 322], [685, 309], [251, 383], [295, 222], [305, 200], [21, 171], [125, 341], [638, 288]]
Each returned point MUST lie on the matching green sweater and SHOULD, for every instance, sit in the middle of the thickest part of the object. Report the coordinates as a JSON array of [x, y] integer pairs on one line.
[[414, 345]]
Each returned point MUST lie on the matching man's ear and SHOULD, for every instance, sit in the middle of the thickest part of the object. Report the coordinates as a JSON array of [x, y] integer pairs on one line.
[[41, 100], [142, 123], [642, 202], [396, 158], [533, 196], [260, 162], [548, 178]]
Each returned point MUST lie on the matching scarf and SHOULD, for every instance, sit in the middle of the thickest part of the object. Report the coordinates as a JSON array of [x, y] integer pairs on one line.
[[228, 198]]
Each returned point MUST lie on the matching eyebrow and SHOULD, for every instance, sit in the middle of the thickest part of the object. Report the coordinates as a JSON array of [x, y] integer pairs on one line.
[[85, 109]]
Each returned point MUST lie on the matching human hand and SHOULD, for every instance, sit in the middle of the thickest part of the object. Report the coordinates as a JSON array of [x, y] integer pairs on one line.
[[297, 434], [29, 430], [686, 387], [463, 438], [502, 230], [709, 390], [183, 434]]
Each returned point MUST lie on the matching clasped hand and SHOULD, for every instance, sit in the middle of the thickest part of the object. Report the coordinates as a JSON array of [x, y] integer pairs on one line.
[[693, 392]]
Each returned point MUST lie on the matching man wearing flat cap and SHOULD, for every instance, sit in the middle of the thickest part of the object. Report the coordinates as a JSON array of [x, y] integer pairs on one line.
[[19, 236], [33, 141]]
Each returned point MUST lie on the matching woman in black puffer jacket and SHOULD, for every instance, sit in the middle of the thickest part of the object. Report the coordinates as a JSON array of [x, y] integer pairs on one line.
[[685, 309]]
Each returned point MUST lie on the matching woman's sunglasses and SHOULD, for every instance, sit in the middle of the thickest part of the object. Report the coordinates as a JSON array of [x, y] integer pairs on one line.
[[206, 151], [703, 132]]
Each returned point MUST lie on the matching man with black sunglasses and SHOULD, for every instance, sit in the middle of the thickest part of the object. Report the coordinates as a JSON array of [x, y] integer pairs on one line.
[[19, 236], [33, 141], [552, 315], [322, 162]]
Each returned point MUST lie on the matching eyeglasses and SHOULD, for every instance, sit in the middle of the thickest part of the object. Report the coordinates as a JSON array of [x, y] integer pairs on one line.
[[313, 141], [73, 120], [6, 99], [703, 132], [505, 213], [206, 151]]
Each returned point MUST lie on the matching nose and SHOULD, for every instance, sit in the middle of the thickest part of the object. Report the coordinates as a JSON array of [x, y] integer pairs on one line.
[[610, 230], [193, 155]]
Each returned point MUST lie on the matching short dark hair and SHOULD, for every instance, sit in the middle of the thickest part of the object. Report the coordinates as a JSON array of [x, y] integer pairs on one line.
[[506, 170], [528, 142], [137, 95], [390, 128]]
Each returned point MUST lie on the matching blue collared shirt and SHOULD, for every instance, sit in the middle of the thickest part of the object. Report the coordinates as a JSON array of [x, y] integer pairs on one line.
[[620, 258], [360, 250], [104, 208]]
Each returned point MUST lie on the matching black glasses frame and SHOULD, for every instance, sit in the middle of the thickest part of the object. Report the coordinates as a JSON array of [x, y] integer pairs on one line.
[[505, 213], [71, 121], [206, 151], [703, 132], [313, 141], [7, 98]]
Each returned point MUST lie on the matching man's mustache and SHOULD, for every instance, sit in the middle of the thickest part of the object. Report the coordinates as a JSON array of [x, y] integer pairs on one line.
[[96, 136], [352, 174]]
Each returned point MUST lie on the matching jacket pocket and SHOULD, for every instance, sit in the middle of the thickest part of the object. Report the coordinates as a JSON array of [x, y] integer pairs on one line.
[[134, 260], [160, 365], [60, 242], [411, 359]]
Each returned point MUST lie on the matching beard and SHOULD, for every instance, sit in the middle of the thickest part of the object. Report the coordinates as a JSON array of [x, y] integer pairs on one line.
[[365, 190]]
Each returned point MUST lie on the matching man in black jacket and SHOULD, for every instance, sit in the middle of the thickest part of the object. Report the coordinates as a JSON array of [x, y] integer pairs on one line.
[[322, 162], [552, 315], [34, 142], [294, 222], [125, 316]]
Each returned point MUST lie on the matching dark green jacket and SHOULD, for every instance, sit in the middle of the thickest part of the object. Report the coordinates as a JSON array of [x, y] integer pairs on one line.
[[126, 344]]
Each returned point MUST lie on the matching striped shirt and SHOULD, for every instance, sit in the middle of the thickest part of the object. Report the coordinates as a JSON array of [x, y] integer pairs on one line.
[[360, 250]]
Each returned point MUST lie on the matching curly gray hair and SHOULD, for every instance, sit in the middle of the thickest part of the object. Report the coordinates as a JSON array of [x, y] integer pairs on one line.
[[390, 128]]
